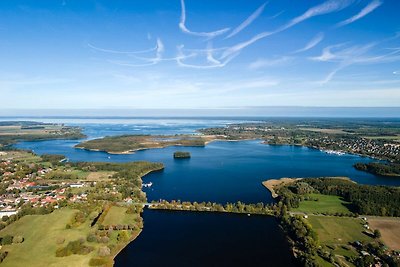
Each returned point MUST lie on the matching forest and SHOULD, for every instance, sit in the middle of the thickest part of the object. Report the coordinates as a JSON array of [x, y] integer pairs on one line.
[[383, 169], [365, 199]]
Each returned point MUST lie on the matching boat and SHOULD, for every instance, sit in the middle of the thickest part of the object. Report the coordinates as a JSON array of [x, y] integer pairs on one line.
[[148, 184], [339, 153]]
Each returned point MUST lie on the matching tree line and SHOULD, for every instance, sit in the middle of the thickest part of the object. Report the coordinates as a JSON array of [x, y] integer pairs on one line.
[[365, 199], [238, 207]]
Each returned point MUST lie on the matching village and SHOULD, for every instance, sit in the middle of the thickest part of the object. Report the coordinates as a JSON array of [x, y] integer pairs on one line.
[[360, 146], [37, 183], [381, 143]]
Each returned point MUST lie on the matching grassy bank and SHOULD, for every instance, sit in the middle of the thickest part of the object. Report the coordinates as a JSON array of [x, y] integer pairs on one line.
[[41, 233]]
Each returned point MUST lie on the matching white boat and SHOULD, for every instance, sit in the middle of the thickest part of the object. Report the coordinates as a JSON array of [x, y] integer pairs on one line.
[[339, 153], [148, 184]]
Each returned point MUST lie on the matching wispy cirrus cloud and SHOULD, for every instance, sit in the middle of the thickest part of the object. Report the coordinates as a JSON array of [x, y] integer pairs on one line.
[[155, 60], [210, 55], [365, 11], [182, 26], [248, 21], [149, 61], [262, 63], [213, 63], [312, 43], [346, 56], [324, 8], [121, 52]]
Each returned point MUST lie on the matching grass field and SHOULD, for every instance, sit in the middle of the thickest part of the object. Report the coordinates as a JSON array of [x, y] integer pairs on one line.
[[322, 130], [334, 230], [99, 176], [117, 215], [390, 230], [21, 156], [325, 204], [385, 137], [335, 233], [41, 233]]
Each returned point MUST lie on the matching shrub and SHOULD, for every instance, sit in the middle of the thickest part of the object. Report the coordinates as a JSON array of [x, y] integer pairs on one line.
[[104, 251], [123, 236], [3, 255], [104, 239], [91, 237], [17, 239], [377, 233], [7, 240], [74, 247]]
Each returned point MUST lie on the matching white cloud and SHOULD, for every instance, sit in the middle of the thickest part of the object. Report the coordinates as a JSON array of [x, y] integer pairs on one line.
[[324, 8], [214, 63], [210, 57], [182, 26], [357, 54], [312, 43], [248, 21], [122, 52], [365, 11], [261, 63]]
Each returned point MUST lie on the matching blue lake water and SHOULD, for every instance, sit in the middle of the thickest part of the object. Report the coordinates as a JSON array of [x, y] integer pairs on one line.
[[221, 172], [183, 239]]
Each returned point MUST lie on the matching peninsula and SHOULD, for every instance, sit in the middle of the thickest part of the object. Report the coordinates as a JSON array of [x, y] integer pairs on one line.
[[129, 143], [68, 214], [14, 131], [321, 217]]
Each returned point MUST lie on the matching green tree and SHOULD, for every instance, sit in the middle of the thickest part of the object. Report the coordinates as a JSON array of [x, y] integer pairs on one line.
[[377, 233]]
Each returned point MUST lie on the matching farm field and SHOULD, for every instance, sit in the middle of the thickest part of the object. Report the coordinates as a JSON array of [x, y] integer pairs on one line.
[[319, 203], [389, 228], [40, 233]]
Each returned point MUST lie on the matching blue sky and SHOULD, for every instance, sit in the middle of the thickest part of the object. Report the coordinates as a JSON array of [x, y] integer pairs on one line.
[[199, 53]]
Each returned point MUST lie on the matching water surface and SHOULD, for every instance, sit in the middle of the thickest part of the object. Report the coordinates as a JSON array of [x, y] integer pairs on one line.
[[183, 239]]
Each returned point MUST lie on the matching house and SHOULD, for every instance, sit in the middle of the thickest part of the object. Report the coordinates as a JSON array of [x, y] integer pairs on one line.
[[76, 185], [7, 212], [364, 253]]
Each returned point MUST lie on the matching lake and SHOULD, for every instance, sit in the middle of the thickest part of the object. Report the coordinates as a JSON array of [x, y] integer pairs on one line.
[[222, 172], [206, 239]]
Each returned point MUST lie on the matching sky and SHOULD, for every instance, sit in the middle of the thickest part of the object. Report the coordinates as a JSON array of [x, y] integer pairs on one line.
[[177, 54]]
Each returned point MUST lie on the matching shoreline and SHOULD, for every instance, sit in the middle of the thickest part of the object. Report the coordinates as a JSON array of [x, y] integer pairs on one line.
[[214, 138], [135, 235], [273, 183], [132, 151]]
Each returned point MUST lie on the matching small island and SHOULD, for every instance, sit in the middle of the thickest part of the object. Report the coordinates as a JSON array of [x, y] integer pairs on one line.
[[181, 155]]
